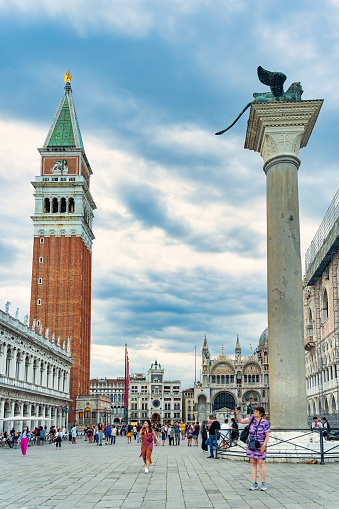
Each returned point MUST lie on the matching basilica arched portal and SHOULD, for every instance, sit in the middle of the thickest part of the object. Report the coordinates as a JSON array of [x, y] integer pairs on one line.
[[224, 400]]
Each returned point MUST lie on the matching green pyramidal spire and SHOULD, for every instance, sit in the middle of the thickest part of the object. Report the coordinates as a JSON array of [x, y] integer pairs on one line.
[[65, 130]]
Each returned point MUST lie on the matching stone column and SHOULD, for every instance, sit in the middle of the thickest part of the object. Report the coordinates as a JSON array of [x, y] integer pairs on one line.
[[278, 131]]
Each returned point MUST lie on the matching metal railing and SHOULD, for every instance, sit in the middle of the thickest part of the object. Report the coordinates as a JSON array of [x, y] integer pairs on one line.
[[314, 449], [324, 229]]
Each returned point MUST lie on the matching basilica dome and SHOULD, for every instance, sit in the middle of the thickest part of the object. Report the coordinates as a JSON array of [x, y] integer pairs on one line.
[[263, 341]]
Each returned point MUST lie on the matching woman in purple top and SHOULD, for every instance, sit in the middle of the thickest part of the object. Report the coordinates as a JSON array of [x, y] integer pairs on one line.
[[260, 431]]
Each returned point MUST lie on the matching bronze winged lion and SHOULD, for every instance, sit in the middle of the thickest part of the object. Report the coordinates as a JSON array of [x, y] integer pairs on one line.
[[275, 80]]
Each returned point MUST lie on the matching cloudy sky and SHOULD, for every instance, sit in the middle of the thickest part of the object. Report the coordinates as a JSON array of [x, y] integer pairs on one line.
[[180, 246]]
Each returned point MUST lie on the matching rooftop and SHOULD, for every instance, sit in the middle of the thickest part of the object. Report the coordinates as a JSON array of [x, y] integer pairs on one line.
[[324, 244]]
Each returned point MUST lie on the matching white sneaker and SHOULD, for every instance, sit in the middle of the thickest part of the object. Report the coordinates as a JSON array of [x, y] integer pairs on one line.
[[146, 470]]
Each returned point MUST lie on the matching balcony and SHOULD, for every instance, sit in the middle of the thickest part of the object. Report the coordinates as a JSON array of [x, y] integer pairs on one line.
[[309, 343], [20, 385]]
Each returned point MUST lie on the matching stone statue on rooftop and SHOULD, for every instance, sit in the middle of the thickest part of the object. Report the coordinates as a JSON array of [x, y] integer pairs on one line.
[[275, 80], [25, 319], [7, 306]]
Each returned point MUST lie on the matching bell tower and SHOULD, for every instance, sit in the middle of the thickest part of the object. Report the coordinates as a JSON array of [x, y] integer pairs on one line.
[[62, 248]]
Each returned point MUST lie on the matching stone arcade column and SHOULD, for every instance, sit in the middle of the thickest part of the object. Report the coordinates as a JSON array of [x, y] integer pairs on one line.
[[278, 130]]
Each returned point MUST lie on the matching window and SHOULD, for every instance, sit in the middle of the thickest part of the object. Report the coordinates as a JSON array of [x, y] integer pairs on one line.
[[41, 240], [26, 369], [55, 205], [81, 414], [34, 371], [71, 205], [47, 206], [63, 179], [17, 369], [324, 306], [88, 413], [38, 323], [71, 179], [41, 259], [63, 205], [40, 281], [8, 364], [54, 179], [39, 304], [45, 179]]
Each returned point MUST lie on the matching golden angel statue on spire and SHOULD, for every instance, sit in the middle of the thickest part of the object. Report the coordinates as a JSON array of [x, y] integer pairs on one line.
[[67, 77]]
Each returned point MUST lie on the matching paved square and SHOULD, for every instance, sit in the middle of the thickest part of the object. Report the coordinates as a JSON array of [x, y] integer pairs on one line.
[[86, 477]]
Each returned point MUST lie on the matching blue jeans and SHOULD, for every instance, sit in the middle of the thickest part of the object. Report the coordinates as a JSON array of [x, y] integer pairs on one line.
[[112, 439], [212, 440], [100, 437]]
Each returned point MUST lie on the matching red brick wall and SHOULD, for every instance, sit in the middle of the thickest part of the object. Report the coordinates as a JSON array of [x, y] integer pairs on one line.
[[65, 295]]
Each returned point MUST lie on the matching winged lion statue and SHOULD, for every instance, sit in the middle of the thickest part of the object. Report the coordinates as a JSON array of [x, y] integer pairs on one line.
[[275, 80]]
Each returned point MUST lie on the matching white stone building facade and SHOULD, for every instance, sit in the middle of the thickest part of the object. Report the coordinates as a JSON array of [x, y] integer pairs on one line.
[[114, 389], [321, 318], [34, 377], [152, 397]]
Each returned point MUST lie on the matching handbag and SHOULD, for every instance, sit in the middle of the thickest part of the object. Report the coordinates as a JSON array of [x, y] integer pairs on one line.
[[245, 432], [252, 443]]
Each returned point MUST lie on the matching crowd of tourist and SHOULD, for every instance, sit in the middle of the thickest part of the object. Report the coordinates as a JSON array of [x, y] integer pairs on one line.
[[212, 434]]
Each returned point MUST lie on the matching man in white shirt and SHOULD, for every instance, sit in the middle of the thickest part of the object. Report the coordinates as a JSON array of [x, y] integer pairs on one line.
[[74, 435], [316, 424], [225, 434]]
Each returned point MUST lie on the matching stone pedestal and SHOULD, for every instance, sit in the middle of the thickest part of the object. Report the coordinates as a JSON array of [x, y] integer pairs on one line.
[[277, 131]]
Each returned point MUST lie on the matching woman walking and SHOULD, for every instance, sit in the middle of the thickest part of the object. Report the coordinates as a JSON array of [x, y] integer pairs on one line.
[[90, 433], [129, 434], [189, 434], [147, 434], [259, 432], [23, 440], [58, 439], [163, 434], [196, 434], [203, 433]]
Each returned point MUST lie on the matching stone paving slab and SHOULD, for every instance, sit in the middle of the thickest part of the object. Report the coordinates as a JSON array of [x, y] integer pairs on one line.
[[113, 477]]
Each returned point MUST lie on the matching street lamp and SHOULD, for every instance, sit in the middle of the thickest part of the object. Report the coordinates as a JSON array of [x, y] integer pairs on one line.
[[64, 410], [105, 415]]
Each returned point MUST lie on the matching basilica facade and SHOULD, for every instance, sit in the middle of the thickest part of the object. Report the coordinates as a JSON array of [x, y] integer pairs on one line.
[[230, 381]]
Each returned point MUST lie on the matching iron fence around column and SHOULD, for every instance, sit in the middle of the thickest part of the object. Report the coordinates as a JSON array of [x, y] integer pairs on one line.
[[321, 445]]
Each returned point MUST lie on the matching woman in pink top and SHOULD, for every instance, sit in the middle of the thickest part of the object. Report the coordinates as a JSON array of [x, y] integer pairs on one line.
[[147, 434]]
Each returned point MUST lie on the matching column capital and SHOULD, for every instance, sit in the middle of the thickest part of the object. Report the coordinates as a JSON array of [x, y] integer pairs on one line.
[[281, 128]]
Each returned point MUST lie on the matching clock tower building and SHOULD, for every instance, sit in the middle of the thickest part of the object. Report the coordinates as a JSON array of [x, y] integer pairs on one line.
[[62, 249]]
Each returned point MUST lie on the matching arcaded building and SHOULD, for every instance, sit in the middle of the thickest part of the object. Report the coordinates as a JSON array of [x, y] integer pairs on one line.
[[34, 376], [321, 315], [229, 381]]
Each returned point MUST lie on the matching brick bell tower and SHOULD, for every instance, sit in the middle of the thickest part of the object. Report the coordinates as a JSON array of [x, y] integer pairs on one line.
[[62, 249]]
